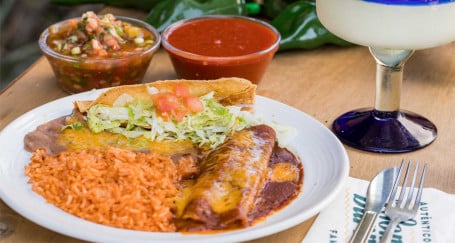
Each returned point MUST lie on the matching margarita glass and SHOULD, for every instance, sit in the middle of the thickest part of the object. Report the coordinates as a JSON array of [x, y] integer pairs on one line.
[[392, 29]]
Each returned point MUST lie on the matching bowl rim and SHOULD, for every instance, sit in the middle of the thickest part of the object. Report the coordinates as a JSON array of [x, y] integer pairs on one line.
[[170, 48], [49, 51]]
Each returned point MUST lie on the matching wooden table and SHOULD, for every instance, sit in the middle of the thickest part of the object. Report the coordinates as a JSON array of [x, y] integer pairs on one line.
[[322, 83]]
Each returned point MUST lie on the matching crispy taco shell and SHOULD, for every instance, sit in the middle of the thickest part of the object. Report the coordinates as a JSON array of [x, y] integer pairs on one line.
[[228, 91]]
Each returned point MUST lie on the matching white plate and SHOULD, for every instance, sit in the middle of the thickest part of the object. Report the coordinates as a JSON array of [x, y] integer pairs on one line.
[[325, 163]]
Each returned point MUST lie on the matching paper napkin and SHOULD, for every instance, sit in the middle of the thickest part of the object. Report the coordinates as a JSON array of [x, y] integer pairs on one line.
[[435, 220]]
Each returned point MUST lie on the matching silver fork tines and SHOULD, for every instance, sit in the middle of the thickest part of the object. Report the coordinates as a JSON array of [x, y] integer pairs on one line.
[[399, 210]]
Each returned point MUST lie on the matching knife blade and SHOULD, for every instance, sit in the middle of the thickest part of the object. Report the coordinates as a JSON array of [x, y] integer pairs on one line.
[[377, 194]]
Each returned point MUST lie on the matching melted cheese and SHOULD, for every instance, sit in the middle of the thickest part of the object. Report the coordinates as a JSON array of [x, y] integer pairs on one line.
[[282, 172], [232, 175], [84, 139]]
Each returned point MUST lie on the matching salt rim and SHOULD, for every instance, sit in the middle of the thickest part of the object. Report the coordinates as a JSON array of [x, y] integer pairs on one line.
[[410, 2]]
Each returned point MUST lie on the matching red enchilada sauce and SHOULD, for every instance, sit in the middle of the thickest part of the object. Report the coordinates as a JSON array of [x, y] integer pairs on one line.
[[217, 41]]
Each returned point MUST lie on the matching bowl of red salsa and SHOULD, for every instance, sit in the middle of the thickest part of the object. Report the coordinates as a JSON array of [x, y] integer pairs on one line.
[[99, 51], [217, 46]]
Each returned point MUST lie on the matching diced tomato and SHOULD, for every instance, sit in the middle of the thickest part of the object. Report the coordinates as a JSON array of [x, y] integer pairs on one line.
[[181, 91], [178, 104], [193, 104], [166, 102], [166, 116]]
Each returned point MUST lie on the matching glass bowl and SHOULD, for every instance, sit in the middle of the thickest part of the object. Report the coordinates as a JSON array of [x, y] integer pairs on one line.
[[216, 46], [78, 74]]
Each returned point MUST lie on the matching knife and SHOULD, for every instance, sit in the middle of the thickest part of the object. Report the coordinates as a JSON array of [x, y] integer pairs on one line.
[[377, 194]]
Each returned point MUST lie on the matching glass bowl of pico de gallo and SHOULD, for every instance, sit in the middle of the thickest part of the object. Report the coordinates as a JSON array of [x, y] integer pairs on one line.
[[99, 51], [217, 46]]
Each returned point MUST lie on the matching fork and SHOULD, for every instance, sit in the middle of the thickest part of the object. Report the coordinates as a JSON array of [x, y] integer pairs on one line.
[[395, 210]]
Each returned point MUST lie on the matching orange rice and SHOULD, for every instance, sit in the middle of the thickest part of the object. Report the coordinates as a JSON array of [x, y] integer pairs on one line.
[[114, 187]]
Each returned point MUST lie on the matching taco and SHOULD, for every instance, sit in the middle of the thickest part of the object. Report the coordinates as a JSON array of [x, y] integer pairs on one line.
[[170, 117]]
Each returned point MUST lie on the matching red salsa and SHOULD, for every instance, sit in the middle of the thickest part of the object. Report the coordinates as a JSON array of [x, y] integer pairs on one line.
[[221, 46], [222, 37]]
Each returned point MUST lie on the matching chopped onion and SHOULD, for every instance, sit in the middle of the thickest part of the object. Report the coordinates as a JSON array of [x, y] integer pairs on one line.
[[139, 40], [76, 50]]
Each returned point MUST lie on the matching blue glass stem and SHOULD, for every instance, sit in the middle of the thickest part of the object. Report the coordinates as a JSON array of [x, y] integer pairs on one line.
[[386, 128]]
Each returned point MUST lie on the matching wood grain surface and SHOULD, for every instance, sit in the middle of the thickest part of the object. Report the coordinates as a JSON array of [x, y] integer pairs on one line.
[[323, 83]]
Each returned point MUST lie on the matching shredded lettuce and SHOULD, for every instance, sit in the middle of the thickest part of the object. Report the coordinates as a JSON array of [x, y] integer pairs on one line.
[[74, 126], [135, 118], [139, 118]]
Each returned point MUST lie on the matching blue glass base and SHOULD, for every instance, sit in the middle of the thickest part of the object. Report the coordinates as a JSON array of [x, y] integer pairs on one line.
[[384, 132]]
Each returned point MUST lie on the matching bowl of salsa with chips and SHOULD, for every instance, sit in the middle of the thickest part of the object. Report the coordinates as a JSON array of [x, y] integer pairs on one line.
[[217, 46], [99, 51]]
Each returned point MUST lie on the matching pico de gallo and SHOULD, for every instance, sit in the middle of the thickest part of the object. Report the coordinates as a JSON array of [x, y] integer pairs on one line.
[[99, 51], [177, 104], [99, 37]]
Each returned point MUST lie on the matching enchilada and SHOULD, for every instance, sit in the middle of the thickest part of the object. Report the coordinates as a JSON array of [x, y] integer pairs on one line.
[[231, 178]]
